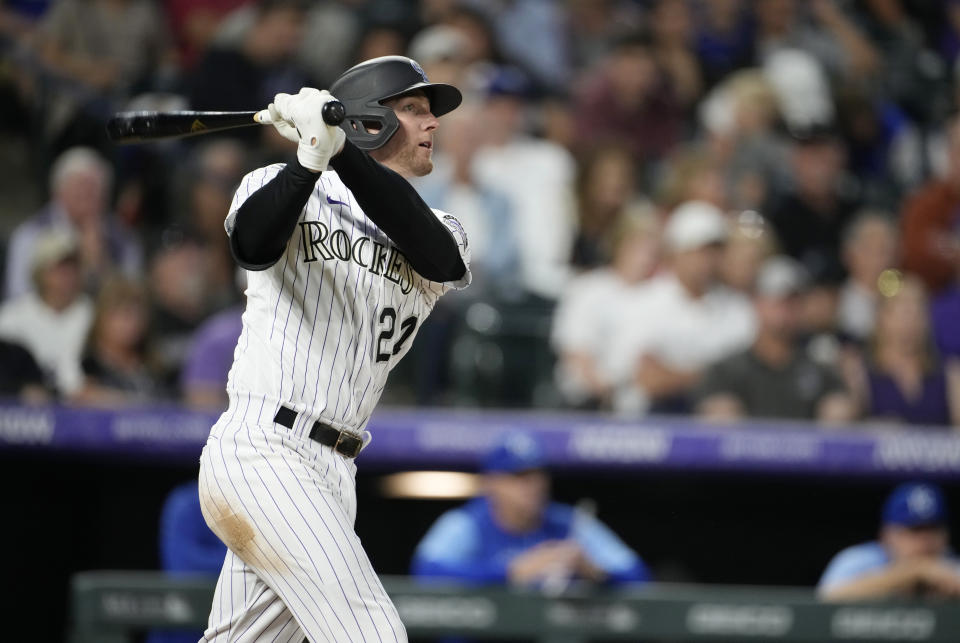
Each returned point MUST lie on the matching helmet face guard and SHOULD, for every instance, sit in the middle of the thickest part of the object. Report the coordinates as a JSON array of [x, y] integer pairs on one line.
[[363, 88], [371, 127]]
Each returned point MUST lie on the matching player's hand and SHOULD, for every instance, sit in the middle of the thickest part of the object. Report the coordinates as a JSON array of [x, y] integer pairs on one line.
[[546, 558], [940, 578], [588, 570], [286, 128], [655, 378], [300, 118], [569, 556]]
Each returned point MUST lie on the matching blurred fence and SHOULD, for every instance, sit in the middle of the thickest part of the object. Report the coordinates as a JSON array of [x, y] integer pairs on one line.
[[446, 438], [109, 607]]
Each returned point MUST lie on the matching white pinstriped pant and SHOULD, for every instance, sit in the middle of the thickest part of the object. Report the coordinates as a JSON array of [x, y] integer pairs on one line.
[[285, 507]]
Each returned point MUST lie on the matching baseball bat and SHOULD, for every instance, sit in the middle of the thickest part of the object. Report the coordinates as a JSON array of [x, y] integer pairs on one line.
[[141, 127]]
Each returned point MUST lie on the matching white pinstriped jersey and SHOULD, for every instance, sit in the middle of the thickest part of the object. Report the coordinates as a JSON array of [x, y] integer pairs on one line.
[[325, 324]]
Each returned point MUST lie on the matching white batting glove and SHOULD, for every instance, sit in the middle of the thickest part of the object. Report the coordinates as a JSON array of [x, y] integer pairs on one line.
[[286, 128], [317, 141]]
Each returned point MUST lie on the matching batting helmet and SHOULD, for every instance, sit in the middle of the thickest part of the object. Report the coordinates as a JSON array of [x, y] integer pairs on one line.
[[363, 88]]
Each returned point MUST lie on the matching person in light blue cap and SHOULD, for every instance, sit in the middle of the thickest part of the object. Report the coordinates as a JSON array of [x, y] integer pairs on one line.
[[912, 556], [513, 534]]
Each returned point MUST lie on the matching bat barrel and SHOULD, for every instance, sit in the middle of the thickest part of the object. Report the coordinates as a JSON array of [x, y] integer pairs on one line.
[[129, 127], [133, 127]]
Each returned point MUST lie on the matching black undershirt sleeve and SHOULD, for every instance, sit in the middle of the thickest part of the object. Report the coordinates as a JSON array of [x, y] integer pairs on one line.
[[392, 203], [267, 218]]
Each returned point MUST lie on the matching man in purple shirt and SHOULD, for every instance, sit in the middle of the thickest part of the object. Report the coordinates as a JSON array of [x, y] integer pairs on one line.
[[944, 313], [204, 376], [945, 309]]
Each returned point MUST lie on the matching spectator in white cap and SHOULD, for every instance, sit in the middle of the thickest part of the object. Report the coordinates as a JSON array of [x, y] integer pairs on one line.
[[442, 52], [684, 320], [52, 321], [774, 378]]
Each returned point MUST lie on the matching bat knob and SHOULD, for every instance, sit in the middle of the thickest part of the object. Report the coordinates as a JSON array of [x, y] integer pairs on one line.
[[333, 112]]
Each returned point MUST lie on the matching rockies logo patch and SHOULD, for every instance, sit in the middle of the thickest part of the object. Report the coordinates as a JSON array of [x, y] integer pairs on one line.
[[455, 225], [417, 68]]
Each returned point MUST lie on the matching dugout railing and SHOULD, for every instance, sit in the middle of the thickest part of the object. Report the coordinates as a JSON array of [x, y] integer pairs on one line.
[[112, 607]]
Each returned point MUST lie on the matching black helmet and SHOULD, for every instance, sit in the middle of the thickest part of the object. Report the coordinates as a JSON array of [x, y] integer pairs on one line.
[[363, 88]]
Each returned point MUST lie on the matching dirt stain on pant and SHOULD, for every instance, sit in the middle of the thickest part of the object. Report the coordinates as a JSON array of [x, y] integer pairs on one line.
[[235, 532]]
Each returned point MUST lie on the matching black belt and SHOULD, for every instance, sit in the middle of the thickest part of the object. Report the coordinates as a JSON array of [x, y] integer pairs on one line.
[[342, 442]]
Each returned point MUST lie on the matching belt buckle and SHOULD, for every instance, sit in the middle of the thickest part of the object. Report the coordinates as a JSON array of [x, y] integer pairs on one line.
[[345, 439]]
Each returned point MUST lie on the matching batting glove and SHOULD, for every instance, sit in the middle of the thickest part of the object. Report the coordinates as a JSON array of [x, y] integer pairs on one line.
[[316, 141], [286, 128]]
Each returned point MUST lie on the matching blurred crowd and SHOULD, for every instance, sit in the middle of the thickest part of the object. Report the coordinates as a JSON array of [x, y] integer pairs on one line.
[[733, 208]]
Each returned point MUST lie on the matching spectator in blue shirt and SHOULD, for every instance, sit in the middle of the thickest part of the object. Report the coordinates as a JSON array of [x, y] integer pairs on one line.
[[186, 543], [912, 556], [186, 546], [513, 533]]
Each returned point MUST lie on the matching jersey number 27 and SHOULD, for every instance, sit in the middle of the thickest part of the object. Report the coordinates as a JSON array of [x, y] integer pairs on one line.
[[388, 319]]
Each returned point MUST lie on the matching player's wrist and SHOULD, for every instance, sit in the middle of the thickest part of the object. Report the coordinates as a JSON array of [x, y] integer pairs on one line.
[[299, 170], [312, 159]]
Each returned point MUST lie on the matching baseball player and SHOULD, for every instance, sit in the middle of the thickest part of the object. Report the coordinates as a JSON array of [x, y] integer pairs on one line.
[[345, 262]]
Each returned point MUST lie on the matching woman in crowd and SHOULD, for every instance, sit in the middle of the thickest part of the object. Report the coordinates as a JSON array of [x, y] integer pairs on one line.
[[902, 379], [116, 364], [606, 186]]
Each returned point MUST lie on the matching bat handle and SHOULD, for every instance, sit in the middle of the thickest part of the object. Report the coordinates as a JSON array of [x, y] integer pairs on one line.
[[333, 113]]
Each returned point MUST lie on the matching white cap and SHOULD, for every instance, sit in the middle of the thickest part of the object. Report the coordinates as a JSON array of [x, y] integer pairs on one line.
[[717, 111], [695, 224], [802, 87], [437, 43], [52, 247]]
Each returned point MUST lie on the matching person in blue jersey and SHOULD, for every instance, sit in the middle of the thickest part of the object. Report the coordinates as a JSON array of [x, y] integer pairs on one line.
[[911, 557], [514, 534], [187, 546]]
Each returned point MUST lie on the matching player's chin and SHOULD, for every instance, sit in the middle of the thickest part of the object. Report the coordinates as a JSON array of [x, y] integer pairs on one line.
[[423, 167]]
